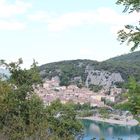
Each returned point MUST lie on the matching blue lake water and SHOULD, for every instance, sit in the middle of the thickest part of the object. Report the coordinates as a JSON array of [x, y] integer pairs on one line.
[[109, 132]]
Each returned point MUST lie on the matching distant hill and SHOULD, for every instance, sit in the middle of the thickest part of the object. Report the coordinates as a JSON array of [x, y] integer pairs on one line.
[[93, 73], [127, 65], [127, 58], [67, 71]]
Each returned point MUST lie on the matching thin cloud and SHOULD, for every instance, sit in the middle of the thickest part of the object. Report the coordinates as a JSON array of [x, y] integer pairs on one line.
[[11, 25], [71, 20], [109, 16], [8, 10], [39, 16], [101, 15], [8, 13], [86, 51]]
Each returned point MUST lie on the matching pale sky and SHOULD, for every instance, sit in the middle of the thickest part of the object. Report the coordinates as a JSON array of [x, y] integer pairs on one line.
[[54, 30]]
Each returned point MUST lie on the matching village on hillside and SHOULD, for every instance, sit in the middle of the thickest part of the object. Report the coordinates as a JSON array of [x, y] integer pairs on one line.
[[50, 91]]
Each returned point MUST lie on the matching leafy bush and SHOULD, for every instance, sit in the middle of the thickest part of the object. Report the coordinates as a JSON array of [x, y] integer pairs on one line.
[[85, 113]]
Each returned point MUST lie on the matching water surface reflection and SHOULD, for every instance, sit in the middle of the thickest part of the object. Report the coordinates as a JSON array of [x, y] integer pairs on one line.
[[109, 131]]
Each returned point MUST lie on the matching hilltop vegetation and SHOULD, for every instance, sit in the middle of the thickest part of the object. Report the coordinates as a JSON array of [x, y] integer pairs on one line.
[[128, 65], [129, 58], [73, 71], [68, 71]]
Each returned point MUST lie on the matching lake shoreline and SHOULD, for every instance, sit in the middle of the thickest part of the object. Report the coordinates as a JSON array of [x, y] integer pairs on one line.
[[132, 122]]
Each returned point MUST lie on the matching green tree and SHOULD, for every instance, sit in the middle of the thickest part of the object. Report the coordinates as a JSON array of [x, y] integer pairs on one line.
[[132, 84], [62, 121], [134, 97], [131, 33], [64, 80], [22, 112], [133, 103]]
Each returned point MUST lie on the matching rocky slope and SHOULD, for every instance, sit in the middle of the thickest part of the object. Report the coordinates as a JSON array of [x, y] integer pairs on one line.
[[102, 78], [89, 73]]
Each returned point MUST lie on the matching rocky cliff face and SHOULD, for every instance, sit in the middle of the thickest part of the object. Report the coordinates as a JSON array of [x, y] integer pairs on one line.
[[102, 78], [90, 73]]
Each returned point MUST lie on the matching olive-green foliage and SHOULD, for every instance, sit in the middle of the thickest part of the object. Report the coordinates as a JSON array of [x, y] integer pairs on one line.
[[132, 35], [133, 103], [78, 106], [134, 96], [109, 103], [95, 88], [128, 65], [104, 112], [123, 106], [85, 113], [64, 79], [82, 110], [22, 113], [62, 121]]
